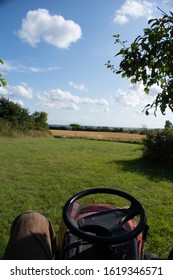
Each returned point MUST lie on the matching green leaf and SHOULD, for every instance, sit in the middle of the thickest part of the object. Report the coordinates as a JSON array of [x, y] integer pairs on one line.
[[123, 75], [116, 36], [146, 90], [166, 69], [4, 83], [133, 81], [162, 81], [151, 20], [134, 46]]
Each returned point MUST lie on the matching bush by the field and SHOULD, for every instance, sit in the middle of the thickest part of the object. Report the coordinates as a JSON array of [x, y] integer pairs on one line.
[[158, 145]]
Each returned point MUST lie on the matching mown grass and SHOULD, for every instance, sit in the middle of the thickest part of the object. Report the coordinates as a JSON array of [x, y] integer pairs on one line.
[[41, 173]]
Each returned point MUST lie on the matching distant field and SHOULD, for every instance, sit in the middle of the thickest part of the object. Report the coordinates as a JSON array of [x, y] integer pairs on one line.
[[111, 136]]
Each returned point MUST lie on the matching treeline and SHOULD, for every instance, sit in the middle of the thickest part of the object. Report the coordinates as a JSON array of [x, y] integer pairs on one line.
[[14, 117], [141, 131]]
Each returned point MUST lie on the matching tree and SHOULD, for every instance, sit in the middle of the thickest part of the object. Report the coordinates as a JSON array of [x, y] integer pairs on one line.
[[75, 126], [16, 117], [168, 125], [149, 60], [14, 114], [39, 120]]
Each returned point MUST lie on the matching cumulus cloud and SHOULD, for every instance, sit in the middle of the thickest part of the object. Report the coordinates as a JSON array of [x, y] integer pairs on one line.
[[3, 91], [134, 96], [21, 90], [80, 87], [60, 99], [134, 9], [20, 102], [53, 29], [128, 98]]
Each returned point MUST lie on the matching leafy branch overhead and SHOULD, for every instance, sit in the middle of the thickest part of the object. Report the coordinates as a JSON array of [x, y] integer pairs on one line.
[[2, 78], [149, 60]]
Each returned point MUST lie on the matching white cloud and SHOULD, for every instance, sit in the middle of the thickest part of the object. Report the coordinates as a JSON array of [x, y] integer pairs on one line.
[[35, 69], [3, 91], [167, 1], [9, 66], [53, 29], [21, 90], [134, 96], [120, 19], [80, 87], [59, 99], [134, 9], [20, 102], [39, 69], [129, 98]]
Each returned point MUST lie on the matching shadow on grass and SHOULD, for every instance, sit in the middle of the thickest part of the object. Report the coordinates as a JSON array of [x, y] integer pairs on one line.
[[153, 170]]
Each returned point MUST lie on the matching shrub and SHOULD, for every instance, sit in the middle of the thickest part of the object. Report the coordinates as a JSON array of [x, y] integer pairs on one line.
[[14, 117], [5, 127], [158, 145], [13, 114]]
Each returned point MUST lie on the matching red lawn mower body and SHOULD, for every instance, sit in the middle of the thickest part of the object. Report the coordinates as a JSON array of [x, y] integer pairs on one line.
[[102, 231]]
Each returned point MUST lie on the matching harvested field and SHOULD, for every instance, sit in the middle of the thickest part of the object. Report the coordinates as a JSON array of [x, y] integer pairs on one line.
[[94, 135]]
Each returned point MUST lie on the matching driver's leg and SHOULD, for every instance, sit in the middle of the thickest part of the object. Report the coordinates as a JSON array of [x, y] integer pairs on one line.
[[31, 238]]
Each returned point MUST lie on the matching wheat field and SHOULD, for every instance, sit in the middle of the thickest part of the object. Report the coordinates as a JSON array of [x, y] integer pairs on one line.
[[97, 135]]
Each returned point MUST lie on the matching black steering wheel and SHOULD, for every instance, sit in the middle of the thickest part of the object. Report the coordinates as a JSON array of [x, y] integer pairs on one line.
[[120, 234]]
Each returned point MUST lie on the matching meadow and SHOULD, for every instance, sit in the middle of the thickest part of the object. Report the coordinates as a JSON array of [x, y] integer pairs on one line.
[[42, 173]]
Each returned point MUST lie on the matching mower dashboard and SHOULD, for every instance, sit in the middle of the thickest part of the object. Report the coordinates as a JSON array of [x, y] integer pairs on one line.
[[105, 223]]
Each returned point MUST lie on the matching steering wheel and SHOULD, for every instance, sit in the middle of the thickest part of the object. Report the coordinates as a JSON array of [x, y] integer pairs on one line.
[[120, 235]]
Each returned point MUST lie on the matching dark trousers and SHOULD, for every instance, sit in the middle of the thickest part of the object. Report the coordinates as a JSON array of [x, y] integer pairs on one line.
[[32, 237]]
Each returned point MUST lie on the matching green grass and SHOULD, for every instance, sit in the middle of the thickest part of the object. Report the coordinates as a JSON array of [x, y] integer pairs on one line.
[[42, 173]]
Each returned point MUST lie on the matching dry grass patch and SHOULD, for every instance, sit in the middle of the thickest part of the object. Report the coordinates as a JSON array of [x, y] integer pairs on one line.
[[97, 135]]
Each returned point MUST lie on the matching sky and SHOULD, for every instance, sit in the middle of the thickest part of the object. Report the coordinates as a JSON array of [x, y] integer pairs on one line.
[[55, 52]]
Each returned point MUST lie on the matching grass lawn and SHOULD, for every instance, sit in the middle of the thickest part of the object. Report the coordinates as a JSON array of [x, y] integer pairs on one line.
[[41, 174]]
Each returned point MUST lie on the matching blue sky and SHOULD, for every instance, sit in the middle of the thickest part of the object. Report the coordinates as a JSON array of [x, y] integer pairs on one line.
[[54, 56]]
